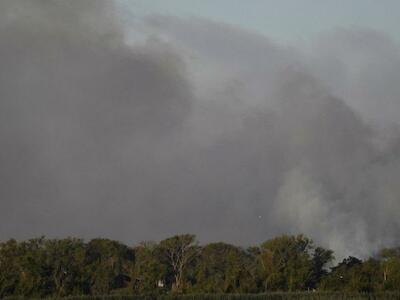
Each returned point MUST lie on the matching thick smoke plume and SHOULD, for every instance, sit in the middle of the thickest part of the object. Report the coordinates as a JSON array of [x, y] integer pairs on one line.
[[201, 128]]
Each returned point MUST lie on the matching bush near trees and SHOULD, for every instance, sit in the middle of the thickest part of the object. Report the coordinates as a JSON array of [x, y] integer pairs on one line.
[[178, 265]]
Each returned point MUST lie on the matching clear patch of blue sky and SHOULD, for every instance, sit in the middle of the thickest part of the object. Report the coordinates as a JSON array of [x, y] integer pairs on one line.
[[285, 20]]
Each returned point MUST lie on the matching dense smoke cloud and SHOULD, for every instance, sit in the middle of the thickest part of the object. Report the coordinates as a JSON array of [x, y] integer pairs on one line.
[[202, 128], [81, 113]]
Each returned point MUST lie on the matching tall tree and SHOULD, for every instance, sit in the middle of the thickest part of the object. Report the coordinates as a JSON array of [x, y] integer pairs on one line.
[[110, 264], [343, 276], [287, 262], [10, 270], [390, 262], [224, 268], [178, 252], [149, 271], [66, 260], [320, 258]]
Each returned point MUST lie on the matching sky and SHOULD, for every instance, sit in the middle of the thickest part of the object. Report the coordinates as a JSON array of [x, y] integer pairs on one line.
[[287, 21]]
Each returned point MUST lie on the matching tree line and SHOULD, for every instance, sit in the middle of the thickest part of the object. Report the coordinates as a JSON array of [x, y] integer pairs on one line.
[[63, 267]]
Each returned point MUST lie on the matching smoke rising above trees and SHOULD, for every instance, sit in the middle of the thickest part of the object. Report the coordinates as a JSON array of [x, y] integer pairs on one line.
[[202, 127]]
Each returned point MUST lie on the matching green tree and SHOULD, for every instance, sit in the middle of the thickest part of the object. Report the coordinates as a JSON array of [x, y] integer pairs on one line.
[[34, 272], [10, 270], [224, 268], [65, 258], [320, 258], [109, 264], [343, 277], [390, 263], [287, 263], [149, 270], [178, 252]]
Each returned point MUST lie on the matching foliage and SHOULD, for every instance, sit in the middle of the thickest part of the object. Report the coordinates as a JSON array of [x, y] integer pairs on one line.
[[285, 267], [148, 270], [178, 252], [292, 263], [224, 268]]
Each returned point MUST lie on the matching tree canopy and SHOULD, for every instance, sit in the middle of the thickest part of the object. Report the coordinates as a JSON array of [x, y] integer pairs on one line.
[[43, 267]]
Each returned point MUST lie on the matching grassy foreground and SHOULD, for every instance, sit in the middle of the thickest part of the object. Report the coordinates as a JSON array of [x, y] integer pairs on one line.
[[268, 296]]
